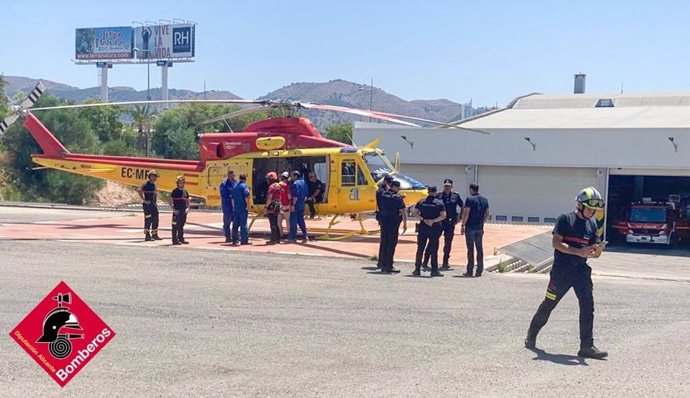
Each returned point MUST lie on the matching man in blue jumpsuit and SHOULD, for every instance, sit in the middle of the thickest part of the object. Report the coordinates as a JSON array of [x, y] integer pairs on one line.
[[431, 213], [240, 211], [226, 202], [392, 214], [149, 198], [574, 240], [299, 192]]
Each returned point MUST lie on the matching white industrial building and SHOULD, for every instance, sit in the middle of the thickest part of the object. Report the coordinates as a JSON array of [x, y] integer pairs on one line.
[[542, 149]]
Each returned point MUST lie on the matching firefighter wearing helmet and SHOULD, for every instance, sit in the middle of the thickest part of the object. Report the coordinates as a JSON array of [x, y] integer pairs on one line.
[[149, 197], [575, 240], [179, 202]]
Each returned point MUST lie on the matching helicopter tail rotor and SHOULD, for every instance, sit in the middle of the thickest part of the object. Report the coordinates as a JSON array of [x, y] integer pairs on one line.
[[23, 107]]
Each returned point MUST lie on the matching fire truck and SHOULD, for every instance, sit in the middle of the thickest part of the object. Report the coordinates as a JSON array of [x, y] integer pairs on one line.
[[656, 222]]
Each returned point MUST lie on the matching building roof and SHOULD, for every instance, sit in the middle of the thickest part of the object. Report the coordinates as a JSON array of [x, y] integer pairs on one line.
[[589, 111]]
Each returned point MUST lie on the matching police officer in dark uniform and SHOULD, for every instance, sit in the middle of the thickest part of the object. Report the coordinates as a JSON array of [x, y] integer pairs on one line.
[[179, 202], [452, 202], [575, 240], [392, 209], [149, 197], [431, 213], [383, 187]]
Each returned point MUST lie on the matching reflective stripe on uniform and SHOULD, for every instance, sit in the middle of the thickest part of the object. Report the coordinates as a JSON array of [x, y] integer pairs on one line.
[[147, 216], [550, 296], [174, 223]]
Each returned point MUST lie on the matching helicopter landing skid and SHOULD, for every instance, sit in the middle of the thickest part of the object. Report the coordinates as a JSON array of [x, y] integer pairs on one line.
[[334, 234]]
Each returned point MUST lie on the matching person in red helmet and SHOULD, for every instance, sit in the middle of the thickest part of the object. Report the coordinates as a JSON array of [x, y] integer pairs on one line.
[[273, 206]]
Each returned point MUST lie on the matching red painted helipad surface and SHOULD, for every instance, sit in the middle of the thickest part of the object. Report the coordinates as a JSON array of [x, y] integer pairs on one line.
[[204, 231]]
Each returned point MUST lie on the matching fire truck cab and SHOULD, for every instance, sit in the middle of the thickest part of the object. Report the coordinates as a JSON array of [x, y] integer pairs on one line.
[[655, 222]]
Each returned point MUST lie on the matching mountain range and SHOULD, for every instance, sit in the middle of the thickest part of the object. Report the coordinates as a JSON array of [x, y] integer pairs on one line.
[[335, 92]]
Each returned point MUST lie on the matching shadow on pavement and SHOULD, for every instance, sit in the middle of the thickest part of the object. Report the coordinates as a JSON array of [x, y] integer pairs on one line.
[[561, 359]]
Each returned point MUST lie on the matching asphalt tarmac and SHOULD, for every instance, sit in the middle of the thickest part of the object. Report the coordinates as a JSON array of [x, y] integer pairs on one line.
[[216, 323]]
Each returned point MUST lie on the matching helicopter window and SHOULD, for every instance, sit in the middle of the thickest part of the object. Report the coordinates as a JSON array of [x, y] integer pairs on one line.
[[378, 165], [361, 178], [348, 172]]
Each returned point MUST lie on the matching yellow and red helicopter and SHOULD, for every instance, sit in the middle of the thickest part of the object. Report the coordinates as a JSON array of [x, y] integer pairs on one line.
[[349, 173]]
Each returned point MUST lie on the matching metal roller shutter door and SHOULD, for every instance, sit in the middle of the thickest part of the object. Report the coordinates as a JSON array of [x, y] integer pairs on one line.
[[525, 194]]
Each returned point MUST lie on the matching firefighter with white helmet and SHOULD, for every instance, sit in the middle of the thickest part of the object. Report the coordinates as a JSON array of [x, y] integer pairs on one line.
[[575, 240]]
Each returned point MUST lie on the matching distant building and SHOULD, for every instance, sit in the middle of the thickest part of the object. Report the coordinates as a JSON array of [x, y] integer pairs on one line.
[[543, 149], [467, 110]]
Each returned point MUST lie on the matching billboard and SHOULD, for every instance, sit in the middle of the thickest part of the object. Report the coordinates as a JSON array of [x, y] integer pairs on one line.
[[164, 41], [104, 43]]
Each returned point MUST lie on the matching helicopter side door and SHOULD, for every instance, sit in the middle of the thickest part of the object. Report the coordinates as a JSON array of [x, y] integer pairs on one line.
[[216, 172], [355, 187]]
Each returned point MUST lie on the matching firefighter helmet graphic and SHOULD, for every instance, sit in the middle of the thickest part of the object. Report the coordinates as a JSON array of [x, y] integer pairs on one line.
[[54, 324]]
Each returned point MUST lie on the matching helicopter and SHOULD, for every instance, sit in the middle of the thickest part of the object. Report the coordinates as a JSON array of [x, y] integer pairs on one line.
[[350, 174]]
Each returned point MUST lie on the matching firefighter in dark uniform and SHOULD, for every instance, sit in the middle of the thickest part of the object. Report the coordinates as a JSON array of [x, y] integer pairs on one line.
[[383, 187], [431, 213], [149, 197], [393, 212], [179, 202], [575, 240], [452, 202]]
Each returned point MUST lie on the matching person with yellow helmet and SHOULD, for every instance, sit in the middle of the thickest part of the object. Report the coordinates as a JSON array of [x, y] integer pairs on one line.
[[575, 240], [179, 202], [149, 197]]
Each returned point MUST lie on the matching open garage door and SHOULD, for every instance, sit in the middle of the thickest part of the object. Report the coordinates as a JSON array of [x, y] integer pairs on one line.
[[651, 199], [532, 194]]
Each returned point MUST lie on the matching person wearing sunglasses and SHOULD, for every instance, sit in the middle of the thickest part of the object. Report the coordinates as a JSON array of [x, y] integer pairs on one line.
[[575, 240]]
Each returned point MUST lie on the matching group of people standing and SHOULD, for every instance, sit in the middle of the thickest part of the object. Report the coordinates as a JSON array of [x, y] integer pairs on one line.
[[575, 237], [286, 200], [178, 201], [438, 214]]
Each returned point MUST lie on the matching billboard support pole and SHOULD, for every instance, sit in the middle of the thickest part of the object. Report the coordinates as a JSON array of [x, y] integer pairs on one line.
[[103, 67], [164, 83]]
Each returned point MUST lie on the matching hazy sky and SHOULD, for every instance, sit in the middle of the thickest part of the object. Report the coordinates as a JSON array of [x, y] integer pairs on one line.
[[490, 51]]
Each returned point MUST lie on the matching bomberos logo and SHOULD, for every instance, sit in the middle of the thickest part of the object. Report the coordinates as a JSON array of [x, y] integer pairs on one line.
[[62, 334]]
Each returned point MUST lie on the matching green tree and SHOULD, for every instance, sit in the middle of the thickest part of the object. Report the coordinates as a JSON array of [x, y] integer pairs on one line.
[[175, 129], [142, 119], [75, 133], [105, 121], [341, 132], [4, 101]]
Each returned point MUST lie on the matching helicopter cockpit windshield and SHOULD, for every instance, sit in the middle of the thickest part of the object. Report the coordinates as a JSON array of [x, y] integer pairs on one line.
[[378, 165]]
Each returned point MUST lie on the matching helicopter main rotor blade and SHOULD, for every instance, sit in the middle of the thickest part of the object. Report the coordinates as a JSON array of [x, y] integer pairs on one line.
[[23, 107], [439, 124], [360, 112], [122, 103]]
